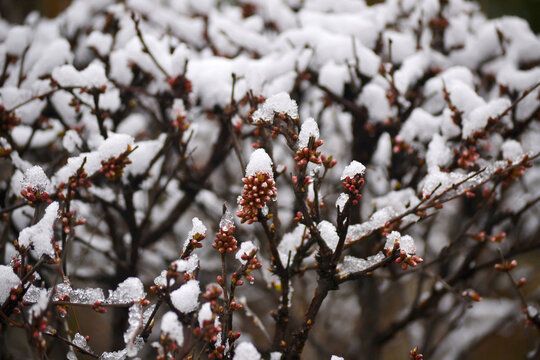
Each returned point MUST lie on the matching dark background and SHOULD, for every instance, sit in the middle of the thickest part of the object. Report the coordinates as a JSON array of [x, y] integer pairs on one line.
[[16, 10]]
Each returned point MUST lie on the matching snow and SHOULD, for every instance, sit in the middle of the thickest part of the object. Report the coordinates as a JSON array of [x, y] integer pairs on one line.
[[205, 314], [114, 355], [373, 98], [186, 298], [478, 118], [280, 103], [71, 141], [92, 76], [36, 179], [197, 228], [161, 279], [54, 54], [9, 280], [114, 145], [436, 179], [135, 320], [439, 154], [351, 264], [83, 296], [329, 234], [120, 71], [334, 77], [353, 169], [12, 97], [172, 328], [129, 290], [402, 47], [420, 125], [406, 242], [99, 41], [246, 351], [18, 38], [341, 201], [227, 219], [259, 163], [80, 341], [247, 247], [188, 265], [308, 130], [377, 220], [38, 237], [382, 156], [511, 149], [39, 307], [142, 157], [289, 243]]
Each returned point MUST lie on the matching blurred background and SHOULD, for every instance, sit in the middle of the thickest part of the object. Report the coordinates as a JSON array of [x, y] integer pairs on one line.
[[16, 10]]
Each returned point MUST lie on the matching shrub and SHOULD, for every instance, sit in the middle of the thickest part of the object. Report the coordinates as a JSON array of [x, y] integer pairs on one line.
[[237, 179]]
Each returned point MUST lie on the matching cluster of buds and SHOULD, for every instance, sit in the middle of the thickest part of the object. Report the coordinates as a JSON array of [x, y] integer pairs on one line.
[[180, 123], [63, 309], [481, 237], [217, 353], [35, 196], [401, 146], [405, 257], [353, 186], [252, 264], [407, 260], [114, 167], [414, 354], [194, 243], [208, 332], [74, 103], [225, 242], [22, 269], [328, 162], [69, 221], [179, 116], [168, 346], [180, 85], [258, 190], [212, 293], [39, 326], [8, 120], [471, 294], [15, 293], [308, 154], [80, 179], [506, 266], [467, 158], [515, 172], [98, 307], [233, 306]]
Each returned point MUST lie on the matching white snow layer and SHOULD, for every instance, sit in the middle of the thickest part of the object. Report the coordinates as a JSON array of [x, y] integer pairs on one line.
[[186, 298], [280, 103], [308, 130], [259, 163], [353, 169], [247, 247], [173, 328], [38, 237], [246, 351], [9, 280]]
